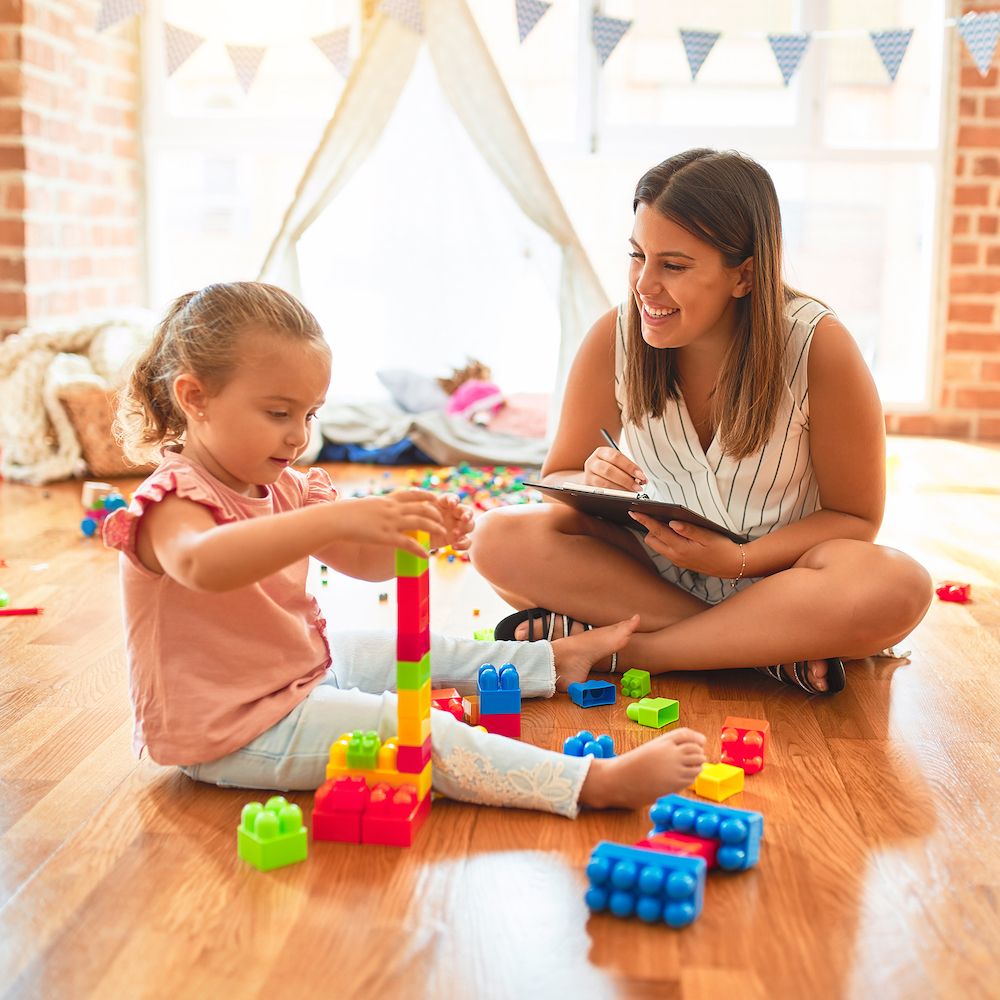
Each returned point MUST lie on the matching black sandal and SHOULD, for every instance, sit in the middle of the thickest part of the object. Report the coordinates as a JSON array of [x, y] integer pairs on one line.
[[836, 678], [505, 629]]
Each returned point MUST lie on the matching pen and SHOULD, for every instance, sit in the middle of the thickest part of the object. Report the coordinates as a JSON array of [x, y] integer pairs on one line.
[[20, 611], [607, 437]]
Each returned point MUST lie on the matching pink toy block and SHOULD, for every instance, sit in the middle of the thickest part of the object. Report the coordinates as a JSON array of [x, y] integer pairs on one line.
[[684, 844], [412, 760], [411, 646], [951, 590], [744, 743], [503, 725], [394, 816], [413, 600], [338, 807]]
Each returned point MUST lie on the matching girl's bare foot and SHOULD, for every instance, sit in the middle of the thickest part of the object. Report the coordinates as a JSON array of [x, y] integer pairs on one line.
[[661, 766], [579, 652]]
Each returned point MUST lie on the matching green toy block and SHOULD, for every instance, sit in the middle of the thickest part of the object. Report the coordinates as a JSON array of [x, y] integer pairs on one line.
[[654, 712], [4, 599], [635, 683], [483, 635], [413, 676], [362, 750], [272, 835], [408, 564]]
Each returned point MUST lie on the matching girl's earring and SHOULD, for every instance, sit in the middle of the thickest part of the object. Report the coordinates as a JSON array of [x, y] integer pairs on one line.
[[200, 414]]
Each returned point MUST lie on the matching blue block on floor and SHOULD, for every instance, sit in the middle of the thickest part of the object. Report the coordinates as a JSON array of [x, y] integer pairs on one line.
[[654, 885], [585, 743], [591, 693], [739, 831], [499, 692]]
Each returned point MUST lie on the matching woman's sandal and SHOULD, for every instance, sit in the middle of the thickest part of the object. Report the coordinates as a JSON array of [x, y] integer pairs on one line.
[[836, 678], [505, 629]]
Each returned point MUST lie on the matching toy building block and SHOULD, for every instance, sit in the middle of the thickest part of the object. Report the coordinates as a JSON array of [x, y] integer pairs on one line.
[[652, 884], [470, 710], [411, 676], [503, 725], [412, 759], [385, 770], [362, 750], [585, 743], [4, 598], [635, 683], [393, 816], [272, 835], [592, 693], [499, 694], [718, 781], [673, 843], [950, 590], [653, 712], [412, 647], [483, 635], [739, 831], [413, 732], [744, 743], [415, 704], [413, 605], [336, 814], [447, 700]]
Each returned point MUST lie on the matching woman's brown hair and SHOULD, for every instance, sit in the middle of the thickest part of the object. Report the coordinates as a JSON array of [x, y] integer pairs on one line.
[[728, 201], [201, 335]]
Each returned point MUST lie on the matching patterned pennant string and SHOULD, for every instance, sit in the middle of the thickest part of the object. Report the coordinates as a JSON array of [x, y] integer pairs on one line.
[[697, 45], [335, 45], [113, 11], [529, 13], [180, 46], [246, 60], [406, 12], [788, 52], [607, 33], [891, 47], [980, 31]]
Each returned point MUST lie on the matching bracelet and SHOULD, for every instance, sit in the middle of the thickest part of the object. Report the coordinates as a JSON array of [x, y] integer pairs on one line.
[[732, 583]]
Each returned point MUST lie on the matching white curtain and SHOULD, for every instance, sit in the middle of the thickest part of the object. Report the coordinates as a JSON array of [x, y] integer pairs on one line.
[[471, 83]]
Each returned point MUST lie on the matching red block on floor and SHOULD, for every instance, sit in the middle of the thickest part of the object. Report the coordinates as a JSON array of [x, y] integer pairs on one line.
[[412, 760], [394, 815], [503, 725], [411, 646], [337, 811], [683, 844], [955, 592], [744, 743], [448, 700]]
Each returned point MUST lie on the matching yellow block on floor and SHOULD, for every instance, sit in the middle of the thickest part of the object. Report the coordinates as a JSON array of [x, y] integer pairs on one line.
[[718, 781]]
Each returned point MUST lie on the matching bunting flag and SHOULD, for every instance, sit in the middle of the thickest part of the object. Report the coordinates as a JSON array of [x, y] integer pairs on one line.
[[114, 11], [335, 45], [529, 13], [697, 45], [180, 46], [788, 52], [607, 33], [246, 60], [979, 31], [406, 12], [891, 47]]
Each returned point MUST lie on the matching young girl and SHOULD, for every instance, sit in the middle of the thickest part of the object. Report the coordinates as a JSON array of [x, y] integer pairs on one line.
[[738, 397], [231, 673]]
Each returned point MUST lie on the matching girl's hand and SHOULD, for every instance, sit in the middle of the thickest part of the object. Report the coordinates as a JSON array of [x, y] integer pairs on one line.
[[691, 547], [384, 520], [613, 469], [457, 521]]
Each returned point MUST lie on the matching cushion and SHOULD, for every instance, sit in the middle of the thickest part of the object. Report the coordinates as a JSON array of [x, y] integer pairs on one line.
[[413, 392], [91, 411]]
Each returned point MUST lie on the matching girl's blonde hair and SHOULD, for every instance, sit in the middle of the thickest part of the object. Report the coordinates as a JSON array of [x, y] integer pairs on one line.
[[200, 335], [728, 201]]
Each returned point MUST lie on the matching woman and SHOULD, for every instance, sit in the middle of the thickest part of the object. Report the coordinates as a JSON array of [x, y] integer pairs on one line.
[[742, 399]]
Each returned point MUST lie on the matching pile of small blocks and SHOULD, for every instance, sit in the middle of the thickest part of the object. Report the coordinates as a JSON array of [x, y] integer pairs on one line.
[[499, 700], [99, 500], [271, 835], [589, 694], [585, 742]]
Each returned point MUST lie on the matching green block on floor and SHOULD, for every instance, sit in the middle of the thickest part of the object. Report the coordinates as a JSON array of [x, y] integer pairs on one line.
[[483, 635], [408, 564], [272, 835], [635, 683], [362, 750], [654, 712], [413, 676]]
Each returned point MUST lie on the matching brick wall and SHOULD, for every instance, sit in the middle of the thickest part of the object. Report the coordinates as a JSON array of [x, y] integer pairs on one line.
[[968, 383], [69, 177]]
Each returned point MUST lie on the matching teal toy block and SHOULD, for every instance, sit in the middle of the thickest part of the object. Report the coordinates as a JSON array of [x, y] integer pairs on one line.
[[413, 676], [408, 564], [737, 831], [635, 683], [272, 835], [654, 712], [362, 750], [592, 693]]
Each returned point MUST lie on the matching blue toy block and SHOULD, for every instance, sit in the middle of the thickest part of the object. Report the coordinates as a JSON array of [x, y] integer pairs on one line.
[[591, 693], [499, 693], [586, 743], [739, 831], [654, 885]]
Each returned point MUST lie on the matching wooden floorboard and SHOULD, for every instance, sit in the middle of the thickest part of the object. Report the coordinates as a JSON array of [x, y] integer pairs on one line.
[[879, 875]]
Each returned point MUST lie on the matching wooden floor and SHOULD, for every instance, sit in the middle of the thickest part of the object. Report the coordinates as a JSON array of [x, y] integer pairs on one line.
[[879, 875]]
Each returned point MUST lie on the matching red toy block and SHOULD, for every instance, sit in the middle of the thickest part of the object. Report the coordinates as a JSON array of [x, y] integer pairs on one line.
[[393, 815], [448, 700], [950, 590], [414, 604], [683, 844], [503, 725], [339, 804], [412, 760], [744, 743], [411, 646]]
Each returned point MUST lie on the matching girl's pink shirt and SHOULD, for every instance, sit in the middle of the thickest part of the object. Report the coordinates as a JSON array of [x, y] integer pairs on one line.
[[208, 673]]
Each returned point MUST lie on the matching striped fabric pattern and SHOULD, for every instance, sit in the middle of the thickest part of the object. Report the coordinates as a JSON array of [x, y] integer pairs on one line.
[[772, 488]]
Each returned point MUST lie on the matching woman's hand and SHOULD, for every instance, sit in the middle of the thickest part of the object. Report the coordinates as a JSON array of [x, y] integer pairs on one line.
[[457, 521], [613, 469], [384, 520], [691, 547]]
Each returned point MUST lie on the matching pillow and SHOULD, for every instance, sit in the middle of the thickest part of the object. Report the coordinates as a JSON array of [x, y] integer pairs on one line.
[[413, 392], [91, 410]]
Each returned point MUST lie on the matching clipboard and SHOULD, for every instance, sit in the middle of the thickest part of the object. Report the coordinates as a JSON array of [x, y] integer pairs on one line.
[[615, 508]]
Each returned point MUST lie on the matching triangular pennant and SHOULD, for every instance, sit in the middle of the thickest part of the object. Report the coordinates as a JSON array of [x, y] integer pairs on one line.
[[891, 47], [180, 46], [406, 12], [335, 45], [697, 45], [113, 11], [529, 13], [788, 52], [980, 31], [607, 32], [246, 60]]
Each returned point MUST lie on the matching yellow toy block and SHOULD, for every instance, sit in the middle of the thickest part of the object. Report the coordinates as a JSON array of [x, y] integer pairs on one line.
[[415, 704], [413, 732], [385, 771], [718, 781], [423, 538]]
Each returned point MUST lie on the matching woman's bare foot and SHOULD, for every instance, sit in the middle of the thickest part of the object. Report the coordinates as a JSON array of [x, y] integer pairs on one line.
[[540, 628], [661, 766], [816, 670], [580, 652]]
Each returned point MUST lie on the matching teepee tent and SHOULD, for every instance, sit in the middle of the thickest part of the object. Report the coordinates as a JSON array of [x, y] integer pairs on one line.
[[470, 82]]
